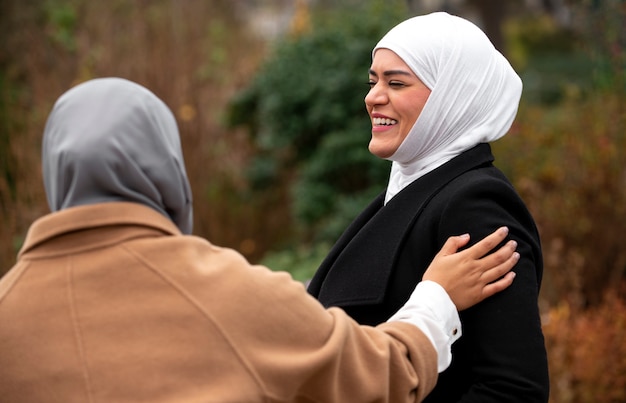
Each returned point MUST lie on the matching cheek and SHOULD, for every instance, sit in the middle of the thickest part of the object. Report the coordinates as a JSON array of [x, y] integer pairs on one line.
[[409, 117], [410, 112]]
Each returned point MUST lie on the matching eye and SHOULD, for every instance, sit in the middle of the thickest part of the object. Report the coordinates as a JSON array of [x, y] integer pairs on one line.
[[371, 83], [396, 84]]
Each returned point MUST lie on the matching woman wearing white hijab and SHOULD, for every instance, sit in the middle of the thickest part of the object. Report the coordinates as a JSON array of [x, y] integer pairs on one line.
[[440, 92], [112, 301]]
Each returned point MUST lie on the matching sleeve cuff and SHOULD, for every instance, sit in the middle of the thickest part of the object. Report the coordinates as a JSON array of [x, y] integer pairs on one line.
[[433, 312]]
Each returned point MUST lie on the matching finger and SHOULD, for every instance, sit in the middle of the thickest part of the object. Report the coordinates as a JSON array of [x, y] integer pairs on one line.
[[487, 244], [499, 256], [500, 270], [495, 287], [453, 244]]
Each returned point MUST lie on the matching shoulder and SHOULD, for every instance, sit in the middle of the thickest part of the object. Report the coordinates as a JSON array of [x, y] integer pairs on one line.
[[478, 201], [482, 176], [484, 185], [196, 263], [187, 253]]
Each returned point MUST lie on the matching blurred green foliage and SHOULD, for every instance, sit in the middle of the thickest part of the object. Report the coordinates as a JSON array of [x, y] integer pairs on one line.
[[61, 20], [305, 113], [551, 62]]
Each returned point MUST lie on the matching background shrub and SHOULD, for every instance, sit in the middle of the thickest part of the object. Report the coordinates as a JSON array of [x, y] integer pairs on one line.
[[305, 113], [587, 352]]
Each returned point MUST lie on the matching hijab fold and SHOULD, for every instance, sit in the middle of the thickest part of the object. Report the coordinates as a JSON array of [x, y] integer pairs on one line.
[[474, 92], [110, 139]]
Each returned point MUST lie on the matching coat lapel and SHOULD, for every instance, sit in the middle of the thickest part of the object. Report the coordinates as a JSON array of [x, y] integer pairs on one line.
[[358, 267]]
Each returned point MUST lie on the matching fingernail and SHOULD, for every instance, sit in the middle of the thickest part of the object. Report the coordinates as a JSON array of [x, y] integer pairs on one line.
[[504, 229], [464, 235], [516, 255]]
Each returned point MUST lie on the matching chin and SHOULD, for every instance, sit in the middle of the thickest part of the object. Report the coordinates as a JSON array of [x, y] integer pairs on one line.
[[378, 152]]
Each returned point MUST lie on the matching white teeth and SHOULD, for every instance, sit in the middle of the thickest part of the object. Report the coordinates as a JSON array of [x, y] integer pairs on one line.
[[384, 121]]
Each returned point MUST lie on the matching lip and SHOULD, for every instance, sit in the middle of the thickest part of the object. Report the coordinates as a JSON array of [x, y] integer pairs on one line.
[[379, 115], [380, 128]]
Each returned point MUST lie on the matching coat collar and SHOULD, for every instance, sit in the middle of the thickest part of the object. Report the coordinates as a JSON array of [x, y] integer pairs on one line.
[[87, 225], [359, 265]]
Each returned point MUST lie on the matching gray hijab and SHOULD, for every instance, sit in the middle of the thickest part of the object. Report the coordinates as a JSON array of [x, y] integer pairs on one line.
[[109, 140]]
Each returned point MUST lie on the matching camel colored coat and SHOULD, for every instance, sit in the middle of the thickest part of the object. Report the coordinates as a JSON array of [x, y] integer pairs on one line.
[[110, 303]]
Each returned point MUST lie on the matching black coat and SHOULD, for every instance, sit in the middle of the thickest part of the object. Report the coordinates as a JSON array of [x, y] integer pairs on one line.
[[382, 255]]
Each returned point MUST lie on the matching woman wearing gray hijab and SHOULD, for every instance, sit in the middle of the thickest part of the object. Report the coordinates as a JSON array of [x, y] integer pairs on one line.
[[123, 149], [439, 94], [111, 299]]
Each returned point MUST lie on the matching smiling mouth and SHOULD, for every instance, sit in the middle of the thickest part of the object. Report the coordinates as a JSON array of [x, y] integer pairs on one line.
[[384, 122]]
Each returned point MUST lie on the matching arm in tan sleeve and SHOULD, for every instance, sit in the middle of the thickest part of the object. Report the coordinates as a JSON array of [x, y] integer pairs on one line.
[[295, 350], [301, 351]]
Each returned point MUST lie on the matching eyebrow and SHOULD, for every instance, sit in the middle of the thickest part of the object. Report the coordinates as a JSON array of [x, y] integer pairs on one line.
[[390, 73]]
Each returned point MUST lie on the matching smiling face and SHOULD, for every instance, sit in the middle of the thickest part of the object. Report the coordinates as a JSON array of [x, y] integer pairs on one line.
[[394, 102]]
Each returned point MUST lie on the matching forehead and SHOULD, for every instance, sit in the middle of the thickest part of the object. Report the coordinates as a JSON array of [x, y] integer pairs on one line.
[[386, 60]]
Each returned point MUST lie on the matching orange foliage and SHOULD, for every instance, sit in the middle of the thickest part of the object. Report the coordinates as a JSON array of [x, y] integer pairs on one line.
[[568, 163], [587, 352]]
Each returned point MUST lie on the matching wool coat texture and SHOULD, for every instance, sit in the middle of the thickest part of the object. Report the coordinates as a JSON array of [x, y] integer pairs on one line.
[[111, 303], [375, 264]]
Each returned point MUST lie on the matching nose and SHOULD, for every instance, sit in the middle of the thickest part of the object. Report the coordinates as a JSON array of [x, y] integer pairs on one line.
[[376, 96]]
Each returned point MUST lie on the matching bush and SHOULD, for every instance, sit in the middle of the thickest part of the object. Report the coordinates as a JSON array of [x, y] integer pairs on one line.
[[305, 110], [568, 164], [587, 352]]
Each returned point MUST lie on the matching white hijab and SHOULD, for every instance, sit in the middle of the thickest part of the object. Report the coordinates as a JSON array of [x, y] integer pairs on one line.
[[110, 139], [474, 92]]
